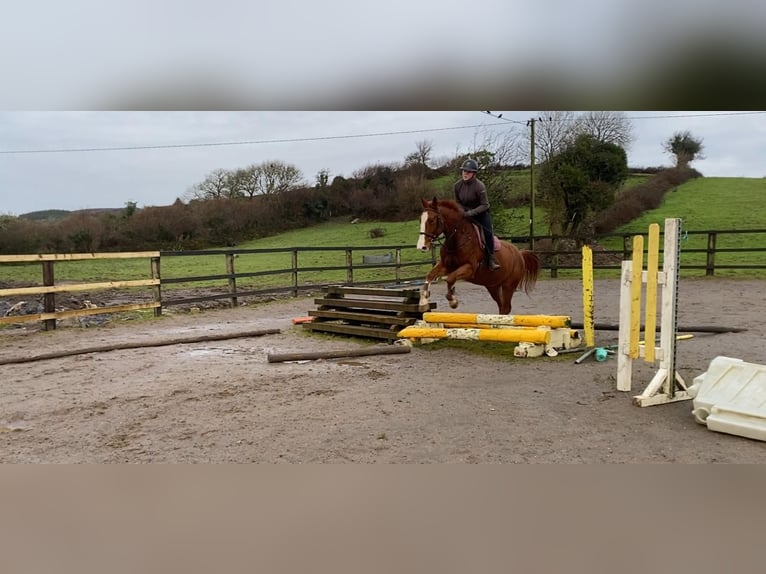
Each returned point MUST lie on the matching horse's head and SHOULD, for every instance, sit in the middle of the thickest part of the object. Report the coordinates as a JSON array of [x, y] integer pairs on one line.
[[431, 224]]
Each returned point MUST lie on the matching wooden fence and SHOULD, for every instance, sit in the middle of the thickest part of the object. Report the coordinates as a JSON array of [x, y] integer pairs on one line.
[[397, 265]]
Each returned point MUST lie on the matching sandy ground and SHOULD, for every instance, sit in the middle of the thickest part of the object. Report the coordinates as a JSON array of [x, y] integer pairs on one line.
[[223, 402]]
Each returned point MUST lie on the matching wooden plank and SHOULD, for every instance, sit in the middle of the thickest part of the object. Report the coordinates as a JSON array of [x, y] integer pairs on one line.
[[139, 345], [339, 290], [362, 304], [356, 330], [362, 317], [77, 313], [75, 256], [307, 356], [77, 287]]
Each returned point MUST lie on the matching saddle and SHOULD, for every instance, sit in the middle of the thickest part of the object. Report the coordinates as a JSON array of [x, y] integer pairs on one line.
[[480, 234]]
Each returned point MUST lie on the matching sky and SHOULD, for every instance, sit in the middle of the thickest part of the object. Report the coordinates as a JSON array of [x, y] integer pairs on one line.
[[57, 160], [88, 74]]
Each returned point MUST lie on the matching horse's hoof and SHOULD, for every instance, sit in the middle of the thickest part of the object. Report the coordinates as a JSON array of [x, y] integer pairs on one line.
[[453, 304]]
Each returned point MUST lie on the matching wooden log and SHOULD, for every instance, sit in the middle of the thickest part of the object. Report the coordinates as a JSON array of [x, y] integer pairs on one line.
[[309, 356], [679, 329], [120, 346]]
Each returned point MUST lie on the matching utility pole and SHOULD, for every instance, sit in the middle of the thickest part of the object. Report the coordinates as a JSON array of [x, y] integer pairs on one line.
[[531, 124]]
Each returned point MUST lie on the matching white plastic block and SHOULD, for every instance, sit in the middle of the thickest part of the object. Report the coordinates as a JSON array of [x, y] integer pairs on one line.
[[528, 350], [731, 398]]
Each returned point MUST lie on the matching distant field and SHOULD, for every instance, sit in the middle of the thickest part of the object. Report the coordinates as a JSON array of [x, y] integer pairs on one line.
[[712, 203], [702, 204]]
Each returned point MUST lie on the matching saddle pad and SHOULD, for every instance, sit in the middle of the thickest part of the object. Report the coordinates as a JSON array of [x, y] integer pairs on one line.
[[480, 235]]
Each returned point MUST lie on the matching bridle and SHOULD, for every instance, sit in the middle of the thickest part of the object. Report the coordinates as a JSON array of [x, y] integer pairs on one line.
[[439, 226]]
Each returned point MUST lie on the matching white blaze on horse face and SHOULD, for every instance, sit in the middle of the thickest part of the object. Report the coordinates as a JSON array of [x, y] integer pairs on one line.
[[422, 238]]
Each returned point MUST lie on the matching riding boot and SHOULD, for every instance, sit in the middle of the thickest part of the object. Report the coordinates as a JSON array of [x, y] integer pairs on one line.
[[490, 260]]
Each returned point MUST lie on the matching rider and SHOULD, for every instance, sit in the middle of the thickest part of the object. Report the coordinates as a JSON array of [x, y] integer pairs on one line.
[[471, 194]]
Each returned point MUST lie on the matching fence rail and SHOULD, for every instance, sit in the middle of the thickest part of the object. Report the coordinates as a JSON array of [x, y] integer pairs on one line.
[[399, 265]]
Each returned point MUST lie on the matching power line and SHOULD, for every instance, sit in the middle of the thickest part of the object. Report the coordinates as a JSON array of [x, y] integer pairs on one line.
[[657, 117], [251, 142]]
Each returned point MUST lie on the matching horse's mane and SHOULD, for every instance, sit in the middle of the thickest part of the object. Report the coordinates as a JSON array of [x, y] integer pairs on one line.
[[450, 205]]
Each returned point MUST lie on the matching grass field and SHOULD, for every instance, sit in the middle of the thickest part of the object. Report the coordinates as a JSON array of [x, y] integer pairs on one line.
[[702, 204], [712, 204]]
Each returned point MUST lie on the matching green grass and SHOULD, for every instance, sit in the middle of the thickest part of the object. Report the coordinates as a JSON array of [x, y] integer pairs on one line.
[[713, 203]]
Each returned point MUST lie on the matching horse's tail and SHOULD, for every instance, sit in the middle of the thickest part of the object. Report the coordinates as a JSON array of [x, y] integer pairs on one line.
[[531, 270]]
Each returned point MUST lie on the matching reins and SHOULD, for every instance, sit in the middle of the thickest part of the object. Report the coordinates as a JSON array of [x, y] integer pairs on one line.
[[440, 225]]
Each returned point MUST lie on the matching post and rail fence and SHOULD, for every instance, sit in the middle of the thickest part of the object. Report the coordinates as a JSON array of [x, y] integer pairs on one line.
[[400, 265]]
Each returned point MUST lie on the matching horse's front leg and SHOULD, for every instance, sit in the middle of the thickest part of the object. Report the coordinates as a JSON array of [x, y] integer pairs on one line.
[[437, 271], [462, 272]]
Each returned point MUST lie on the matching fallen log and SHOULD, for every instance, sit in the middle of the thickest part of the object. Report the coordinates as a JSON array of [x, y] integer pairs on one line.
[[121, 346], [310, 356], [679, 329]]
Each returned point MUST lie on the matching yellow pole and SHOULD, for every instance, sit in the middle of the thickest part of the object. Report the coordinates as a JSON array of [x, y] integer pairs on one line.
[[552, 321], [652, 267], [587, 296], [497, 335], [635, 296]]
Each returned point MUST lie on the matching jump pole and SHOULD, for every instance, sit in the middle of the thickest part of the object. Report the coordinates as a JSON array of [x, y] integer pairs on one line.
[[667, 385], [587, 296], [552, 321], [541, 335]]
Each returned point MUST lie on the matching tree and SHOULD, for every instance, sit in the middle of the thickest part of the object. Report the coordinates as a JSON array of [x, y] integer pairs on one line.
[[553, 132], [581, 180], [275, 177], [421, 156], [322, 179], [214, 186], [609, 127], [685, 147]]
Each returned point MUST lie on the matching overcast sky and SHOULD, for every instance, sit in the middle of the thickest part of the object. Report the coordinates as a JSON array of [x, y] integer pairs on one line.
[[341, 142]]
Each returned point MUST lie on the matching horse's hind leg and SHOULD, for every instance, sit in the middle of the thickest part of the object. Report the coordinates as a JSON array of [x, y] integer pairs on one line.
[[450, 296], [498, 295], [508, 290]]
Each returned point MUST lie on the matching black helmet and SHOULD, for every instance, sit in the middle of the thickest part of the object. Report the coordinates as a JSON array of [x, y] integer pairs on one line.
[[470, 165]]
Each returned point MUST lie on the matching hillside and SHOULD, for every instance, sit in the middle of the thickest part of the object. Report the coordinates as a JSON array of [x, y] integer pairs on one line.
[[710, 203], [55, 214]]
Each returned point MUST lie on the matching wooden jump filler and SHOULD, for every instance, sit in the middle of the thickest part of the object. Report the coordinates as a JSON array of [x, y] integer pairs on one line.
[[667, 385]]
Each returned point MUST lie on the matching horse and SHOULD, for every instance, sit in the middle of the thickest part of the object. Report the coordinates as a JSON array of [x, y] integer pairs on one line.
[[462, 256]]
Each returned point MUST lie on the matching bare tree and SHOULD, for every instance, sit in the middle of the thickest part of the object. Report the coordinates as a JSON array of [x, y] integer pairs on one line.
[[238, 183], [214, 186], [422, 154], [553, 132], [496, 150], [608, 127], [271, 178]]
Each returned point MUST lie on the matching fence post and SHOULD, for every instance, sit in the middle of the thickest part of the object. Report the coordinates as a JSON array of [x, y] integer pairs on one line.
[[627, 247], [157, 290], [555, 243], [349, 267], [295, 271], [232, 278], [397, 269], [49, 299], [710, 264]]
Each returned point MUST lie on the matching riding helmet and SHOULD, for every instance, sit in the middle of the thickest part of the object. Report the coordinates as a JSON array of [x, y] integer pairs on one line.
[[470, 165]]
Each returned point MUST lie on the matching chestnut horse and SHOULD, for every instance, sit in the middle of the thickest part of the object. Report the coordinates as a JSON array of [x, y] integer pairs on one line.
[[462, 256]]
